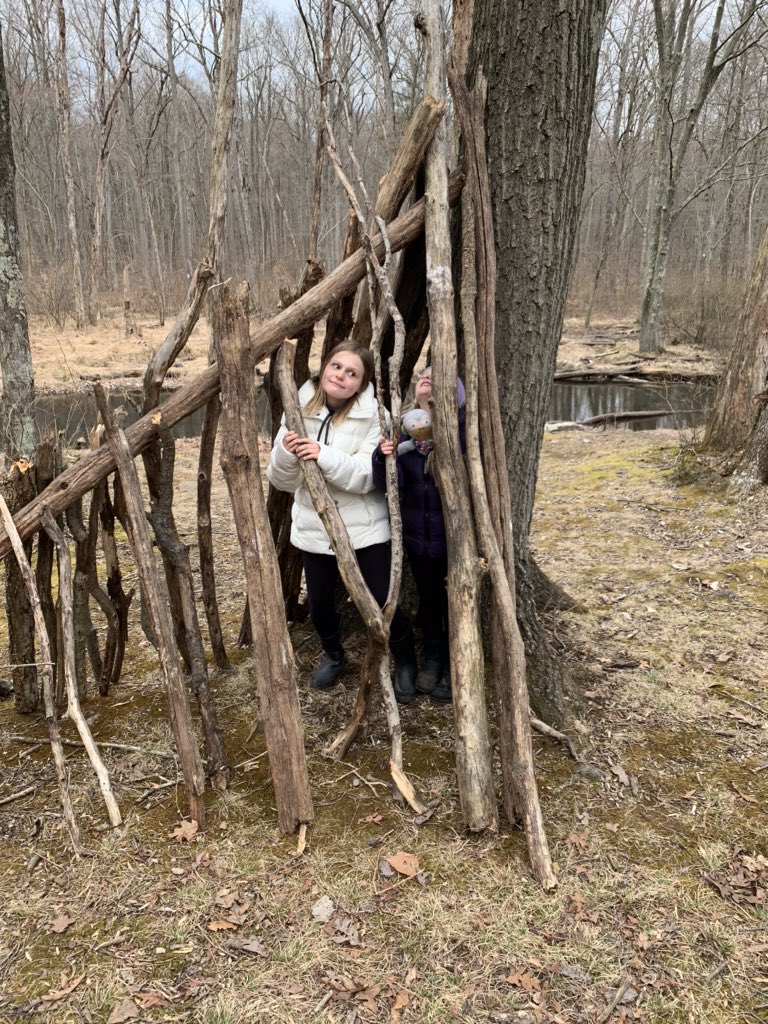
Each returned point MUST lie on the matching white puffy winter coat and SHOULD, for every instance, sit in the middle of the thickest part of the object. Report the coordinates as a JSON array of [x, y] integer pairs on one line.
[[345, 460]]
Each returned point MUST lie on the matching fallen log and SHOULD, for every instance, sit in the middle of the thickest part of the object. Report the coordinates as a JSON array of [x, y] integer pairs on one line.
[[619, 417], [308, 309], [638, 373]]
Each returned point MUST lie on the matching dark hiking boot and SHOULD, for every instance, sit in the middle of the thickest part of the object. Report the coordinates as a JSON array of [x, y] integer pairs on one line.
[[328, 671], [431, 669], [442, 691], [404, 655]]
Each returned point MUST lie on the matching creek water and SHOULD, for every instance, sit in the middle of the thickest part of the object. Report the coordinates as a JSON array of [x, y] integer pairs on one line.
[[688, 403], [75, 414]]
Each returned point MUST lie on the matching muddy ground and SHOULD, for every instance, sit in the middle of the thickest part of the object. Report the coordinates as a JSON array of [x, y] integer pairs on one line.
[[659, 832]]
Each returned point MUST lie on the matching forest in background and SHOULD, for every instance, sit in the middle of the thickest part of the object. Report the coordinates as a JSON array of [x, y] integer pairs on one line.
[[118, 99]]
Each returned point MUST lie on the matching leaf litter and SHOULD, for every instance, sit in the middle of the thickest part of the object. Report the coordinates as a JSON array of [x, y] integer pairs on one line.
[[651, 889]]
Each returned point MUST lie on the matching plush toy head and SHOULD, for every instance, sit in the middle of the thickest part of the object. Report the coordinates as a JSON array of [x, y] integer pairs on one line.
[[418, 423]]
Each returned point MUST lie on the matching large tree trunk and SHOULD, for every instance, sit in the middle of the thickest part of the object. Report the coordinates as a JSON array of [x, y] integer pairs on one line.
[[17, 422], [541, 62], [746, 372]]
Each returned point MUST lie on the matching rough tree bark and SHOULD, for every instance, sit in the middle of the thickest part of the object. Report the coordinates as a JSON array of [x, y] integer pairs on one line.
[[746, 372], [541, 62], [17, 421], [276, 669], [472, 743]]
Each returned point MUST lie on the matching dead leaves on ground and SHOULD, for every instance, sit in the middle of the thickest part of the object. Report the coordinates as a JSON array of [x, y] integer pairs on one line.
[[744, 880], [395, 991]]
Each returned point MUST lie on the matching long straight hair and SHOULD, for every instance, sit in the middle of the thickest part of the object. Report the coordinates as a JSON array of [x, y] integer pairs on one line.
[[318, 400]]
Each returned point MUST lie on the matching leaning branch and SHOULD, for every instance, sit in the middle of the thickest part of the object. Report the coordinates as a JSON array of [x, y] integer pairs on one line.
[[311, 307]]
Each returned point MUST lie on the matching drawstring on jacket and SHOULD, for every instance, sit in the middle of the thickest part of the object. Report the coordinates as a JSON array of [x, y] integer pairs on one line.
[[325, 425]]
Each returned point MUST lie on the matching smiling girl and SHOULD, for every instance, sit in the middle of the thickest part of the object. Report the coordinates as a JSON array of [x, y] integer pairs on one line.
[[342, 431]]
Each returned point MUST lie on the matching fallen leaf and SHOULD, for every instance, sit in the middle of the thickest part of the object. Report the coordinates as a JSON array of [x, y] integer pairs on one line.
[[220, 926], [404, 863], [225, 898], [402, 999], [150, 1000], [127, 1010], [61, 923], [252, 945], [368, 997], [372, 819], [384, 869], [324, 909], [62, 993], [620, 774], [578, 841], [525, 980], [186, 831]]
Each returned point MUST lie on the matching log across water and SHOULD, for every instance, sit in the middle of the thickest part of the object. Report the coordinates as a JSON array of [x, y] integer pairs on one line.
[[688, 404]]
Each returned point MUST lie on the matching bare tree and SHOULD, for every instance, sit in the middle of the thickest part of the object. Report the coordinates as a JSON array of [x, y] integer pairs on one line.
[[678, 105]]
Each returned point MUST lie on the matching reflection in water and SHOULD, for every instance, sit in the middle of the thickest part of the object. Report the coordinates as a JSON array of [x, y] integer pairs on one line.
[[76, 414], [688, 403]]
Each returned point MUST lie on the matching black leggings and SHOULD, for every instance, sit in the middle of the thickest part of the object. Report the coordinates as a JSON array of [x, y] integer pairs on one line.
[[322, 575], [429, 575]]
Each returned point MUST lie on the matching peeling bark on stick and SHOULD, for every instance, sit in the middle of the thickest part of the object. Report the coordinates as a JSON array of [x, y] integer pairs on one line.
[[46, 674], [276, 675], [494, 533], [73, 702], [473, 742], [157, 600]]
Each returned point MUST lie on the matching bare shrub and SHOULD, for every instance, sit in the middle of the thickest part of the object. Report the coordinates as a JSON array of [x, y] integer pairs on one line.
[[49, 293]]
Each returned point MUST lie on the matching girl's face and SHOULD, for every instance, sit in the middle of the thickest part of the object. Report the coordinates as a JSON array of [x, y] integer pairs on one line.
[[424, 385], [342, 378]]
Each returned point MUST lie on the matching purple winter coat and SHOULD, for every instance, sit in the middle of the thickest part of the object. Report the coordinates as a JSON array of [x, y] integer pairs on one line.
[[420, 504]]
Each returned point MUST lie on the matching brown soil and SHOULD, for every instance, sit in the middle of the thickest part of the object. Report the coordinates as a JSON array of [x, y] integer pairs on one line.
[[658, 834]]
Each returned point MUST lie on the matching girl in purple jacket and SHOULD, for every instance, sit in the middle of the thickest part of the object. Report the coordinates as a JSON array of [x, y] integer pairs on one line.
[[424, 541]]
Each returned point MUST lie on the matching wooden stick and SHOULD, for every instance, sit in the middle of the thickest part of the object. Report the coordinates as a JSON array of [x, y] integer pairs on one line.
[[17, 796], [493, 514], [474, 769], [102, 743], [73, 702], [46, 675], [273, 653], [178, 703], [311, 307]]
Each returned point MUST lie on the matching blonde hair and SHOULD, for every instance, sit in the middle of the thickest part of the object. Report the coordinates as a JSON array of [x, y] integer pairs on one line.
[[318, 400]]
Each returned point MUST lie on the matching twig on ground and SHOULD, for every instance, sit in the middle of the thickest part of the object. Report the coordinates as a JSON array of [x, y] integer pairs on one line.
[[553, 734], [617, 997], [17, 796], [718, 970], [103, 743], [365, 781], [302, 843], [156, 789]]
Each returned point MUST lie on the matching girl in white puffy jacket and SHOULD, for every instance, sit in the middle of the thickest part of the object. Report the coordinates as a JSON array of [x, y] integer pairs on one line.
[[342, 431]]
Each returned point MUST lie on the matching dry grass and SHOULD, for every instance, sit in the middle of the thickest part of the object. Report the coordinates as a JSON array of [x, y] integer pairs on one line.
[[673, 785]]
